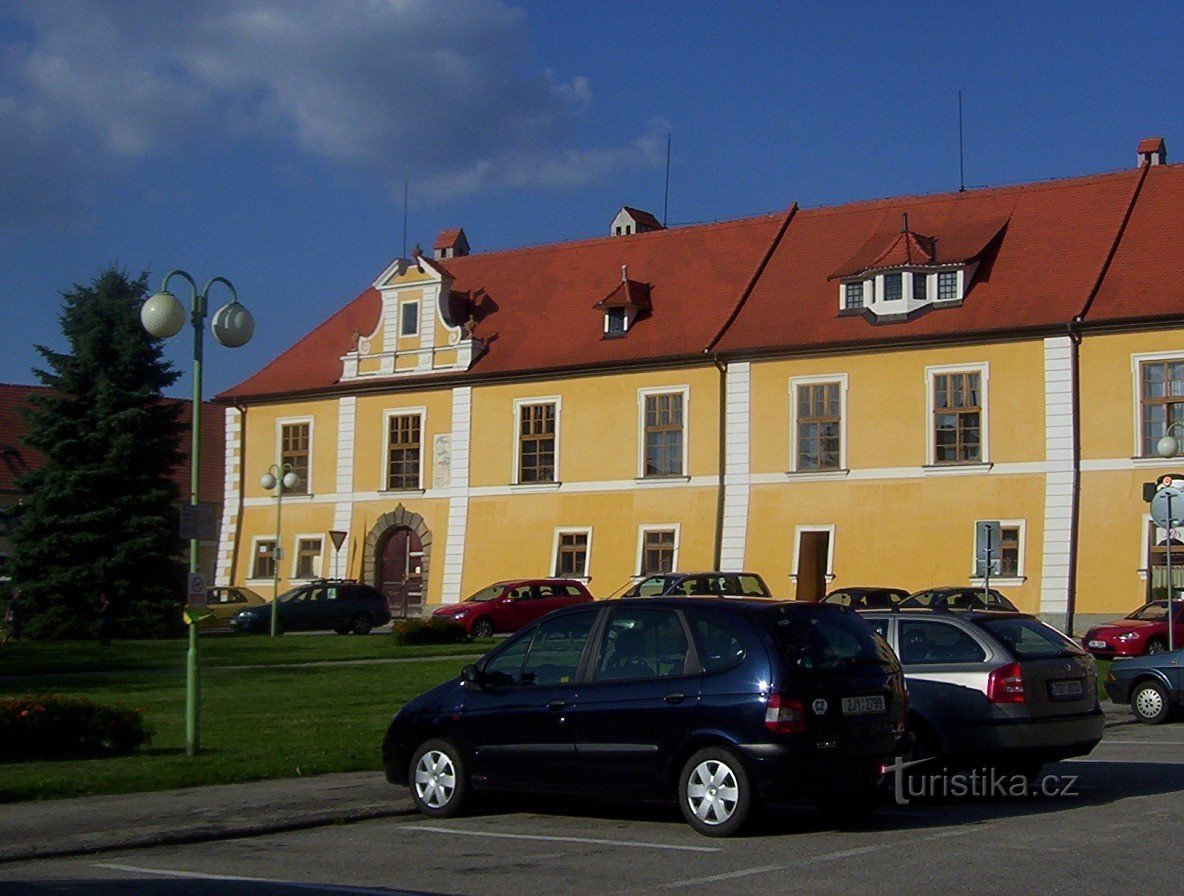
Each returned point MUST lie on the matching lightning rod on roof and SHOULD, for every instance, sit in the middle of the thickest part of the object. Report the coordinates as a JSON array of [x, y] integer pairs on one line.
[[666, 200], [404, 255], [961, 157]]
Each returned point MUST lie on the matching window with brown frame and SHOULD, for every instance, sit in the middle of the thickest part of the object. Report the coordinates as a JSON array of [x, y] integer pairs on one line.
[[957, 418], [818, 427], [571, 558], [1162, 400], [403, 453], [663, 434], [1009, 552], [657, 551], [295, 439], [308, 558], [536, 442], [264, 565]]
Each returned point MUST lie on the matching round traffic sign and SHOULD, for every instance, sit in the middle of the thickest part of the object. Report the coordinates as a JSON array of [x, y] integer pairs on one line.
[[1167, 507]]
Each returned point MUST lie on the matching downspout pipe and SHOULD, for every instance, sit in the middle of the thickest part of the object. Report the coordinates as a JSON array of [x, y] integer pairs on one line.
[[722, 442], [1075, 337]]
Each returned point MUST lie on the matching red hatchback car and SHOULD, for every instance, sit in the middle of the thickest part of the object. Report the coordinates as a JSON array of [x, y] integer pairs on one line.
[[507, 606], [1143, 631]]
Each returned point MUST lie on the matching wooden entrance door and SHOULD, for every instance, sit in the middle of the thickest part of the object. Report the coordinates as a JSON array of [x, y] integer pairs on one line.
[[813, 548], [400, 572]]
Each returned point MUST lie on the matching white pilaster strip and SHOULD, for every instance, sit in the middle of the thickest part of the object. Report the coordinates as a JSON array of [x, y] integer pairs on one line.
[[230, 496], [347, 416], [1058, 487], [737, 442], [458, 503]]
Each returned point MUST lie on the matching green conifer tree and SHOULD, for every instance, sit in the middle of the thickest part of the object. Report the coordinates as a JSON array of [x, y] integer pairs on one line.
[[101, 514]]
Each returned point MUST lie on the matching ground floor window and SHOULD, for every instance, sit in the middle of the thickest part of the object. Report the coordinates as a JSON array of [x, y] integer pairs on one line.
[[1157, 564], [308, 558], [571, 554], [263, 566], [658, 548]]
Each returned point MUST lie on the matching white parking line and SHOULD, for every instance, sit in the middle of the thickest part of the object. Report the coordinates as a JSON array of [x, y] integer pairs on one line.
[[201, 875], [765, 869], [593, 841], [1110, 742]]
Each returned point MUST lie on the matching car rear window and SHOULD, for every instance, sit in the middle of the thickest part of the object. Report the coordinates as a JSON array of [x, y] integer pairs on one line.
[[1030, 639], [816, 639]]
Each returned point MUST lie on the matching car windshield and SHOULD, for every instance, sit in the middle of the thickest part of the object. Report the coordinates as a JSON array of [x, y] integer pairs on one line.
[[651, 587], [827, 640], [1154, 612], [1030, 639], [489, 592], [289, 595]]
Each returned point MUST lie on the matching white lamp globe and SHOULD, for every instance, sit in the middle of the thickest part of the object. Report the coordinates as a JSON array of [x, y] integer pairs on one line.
[[163, 315], [232, 325], [267, 481], [291, 480], [1167, 446]]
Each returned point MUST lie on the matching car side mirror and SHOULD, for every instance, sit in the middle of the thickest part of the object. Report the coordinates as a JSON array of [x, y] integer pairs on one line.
[[470, 674]]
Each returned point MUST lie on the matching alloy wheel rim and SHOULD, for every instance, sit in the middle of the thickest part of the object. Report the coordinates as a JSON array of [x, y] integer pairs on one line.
[[435, 779], [712, 792], [1149, 703]]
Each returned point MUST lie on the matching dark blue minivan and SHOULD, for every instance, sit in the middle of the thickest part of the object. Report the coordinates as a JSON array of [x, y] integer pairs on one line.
[[719, 703]]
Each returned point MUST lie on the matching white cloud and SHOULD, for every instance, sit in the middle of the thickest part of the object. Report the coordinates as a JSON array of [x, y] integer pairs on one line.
[[429, 90]]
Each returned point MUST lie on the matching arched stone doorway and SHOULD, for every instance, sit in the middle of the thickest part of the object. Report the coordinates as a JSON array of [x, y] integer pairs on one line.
[[397, 558]]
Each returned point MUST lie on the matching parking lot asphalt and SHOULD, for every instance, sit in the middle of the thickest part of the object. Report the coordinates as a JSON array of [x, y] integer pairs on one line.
[[87, 825]]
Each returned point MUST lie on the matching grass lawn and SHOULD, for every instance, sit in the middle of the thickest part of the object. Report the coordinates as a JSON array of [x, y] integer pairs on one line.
[[290, 717]]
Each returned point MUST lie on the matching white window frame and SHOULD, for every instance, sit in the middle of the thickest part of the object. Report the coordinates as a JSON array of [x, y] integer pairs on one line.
[[402, 305], [645, 528], [1020, 577], [821, 379], [280, 423], [387, 414], [255, 542], [572, 530], [297, 541], [516, 449], [1137, 360], [830, 549], [642, 395], [983, 369]]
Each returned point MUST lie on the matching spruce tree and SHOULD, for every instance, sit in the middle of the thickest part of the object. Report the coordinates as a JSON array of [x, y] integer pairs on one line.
[[101, 514]]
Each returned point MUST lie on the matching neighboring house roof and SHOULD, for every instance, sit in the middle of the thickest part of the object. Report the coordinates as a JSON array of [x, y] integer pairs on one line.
[[21, 458], [1110, 246], [644, 218]]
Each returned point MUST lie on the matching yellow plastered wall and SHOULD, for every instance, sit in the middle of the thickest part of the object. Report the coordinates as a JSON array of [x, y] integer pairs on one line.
[[373, 412]]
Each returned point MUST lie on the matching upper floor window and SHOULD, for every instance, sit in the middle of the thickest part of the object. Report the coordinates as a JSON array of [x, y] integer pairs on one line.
[[853, 295], [920, 284], [957, 417], [536, 442], [615, 322], [404, 451], [818, 426], [295, 445], [947, 285], [1161, 401], [893, 287], [664, 434], [409, 319], [308, 558]]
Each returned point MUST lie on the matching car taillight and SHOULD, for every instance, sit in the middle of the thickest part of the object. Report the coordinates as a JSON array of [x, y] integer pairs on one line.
[[1006, 684], [785, 715]]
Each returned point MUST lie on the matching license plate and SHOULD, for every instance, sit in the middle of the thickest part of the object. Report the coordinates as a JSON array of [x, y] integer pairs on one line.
[[1099, 645], [858, 706], [1066, 690]]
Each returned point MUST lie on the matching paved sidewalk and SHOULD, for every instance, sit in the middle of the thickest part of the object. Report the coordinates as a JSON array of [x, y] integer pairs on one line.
[[85, 825]]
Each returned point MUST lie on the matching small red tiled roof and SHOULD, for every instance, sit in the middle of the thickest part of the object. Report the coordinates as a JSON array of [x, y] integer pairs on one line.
[[641, 216], [627, 293], [448, 238], [1150, 144]]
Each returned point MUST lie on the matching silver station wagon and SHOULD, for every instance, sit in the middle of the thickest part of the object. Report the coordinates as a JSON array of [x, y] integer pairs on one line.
[[993, 689]]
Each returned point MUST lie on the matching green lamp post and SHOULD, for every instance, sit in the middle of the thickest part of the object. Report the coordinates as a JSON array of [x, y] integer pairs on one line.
[[280, 478]]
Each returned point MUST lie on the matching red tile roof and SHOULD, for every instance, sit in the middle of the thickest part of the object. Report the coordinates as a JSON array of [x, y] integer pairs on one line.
[[641, 216], [447, 238], [1150, 144]]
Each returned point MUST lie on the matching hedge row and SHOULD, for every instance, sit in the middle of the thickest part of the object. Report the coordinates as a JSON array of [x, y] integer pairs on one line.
[[432, 630], [53, 727]]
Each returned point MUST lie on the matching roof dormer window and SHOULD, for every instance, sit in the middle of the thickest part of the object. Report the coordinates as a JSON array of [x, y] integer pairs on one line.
[[920, 286], [947, 286], [622, 306], [893, 291], [853, 295], [616, 322]]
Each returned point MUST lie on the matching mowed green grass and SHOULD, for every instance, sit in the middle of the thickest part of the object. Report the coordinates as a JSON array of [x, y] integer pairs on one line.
[[288, 716]]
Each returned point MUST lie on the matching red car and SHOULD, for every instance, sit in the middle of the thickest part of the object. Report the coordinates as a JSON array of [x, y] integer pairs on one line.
[[1144, 631], [507, 606]]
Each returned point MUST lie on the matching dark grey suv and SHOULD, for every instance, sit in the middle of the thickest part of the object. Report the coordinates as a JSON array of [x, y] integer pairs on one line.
[[718, 704], [337, 605]]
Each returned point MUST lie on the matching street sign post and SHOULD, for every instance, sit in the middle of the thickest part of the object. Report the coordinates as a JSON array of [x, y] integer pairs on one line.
[[1167, 509], [988, 537]]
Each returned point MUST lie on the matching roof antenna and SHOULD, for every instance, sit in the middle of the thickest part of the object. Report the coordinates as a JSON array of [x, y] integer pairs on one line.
[[961, 156], [666, 200], [404, 218], [904, 223]]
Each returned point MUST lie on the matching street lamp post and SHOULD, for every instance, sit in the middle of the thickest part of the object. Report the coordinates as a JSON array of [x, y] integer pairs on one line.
[[163, 316], [280, 478], [1168, 446]]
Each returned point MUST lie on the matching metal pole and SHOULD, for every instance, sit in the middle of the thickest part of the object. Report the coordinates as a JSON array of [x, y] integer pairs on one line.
[[1168, 556], [192, 685], [279, 503]]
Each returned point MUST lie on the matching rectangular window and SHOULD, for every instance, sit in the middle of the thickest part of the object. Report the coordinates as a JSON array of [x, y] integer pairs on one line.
[[263, 566], [853, 295], [308, 558], [947, 285], [615, 322], [957, 418], [404, 451], [536, 442], [295, 439], [664, 434], [818, 426], [409, 319], [1005, 551], [920, 281], [571, 555], [893, 287], [657, 551], [1162, 401]]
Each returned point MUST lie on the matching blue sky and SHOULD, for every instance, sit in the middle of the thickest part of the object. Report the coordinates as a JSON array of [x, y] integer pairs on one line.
[[268, 141]]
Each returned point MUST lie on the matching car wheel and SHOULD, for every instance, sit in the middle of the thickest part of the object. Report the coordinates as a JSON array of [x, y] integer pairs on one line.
[[483, 628], [714, 792], [439, 780], [1157, 645], [1149, 700], [361, 624]]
